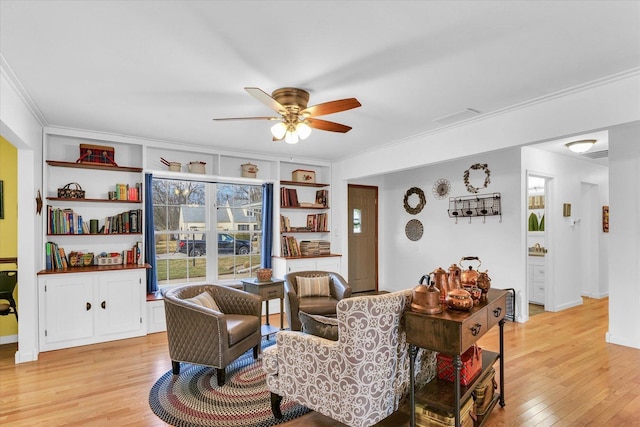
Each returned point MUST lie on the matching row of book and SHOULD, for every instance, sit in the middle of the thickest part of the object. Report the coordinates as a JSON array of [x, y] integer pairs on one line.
[[289, 199], [291, 248], [66, 221], [315, 223], [315, 247], [127, 192], [123, 223]]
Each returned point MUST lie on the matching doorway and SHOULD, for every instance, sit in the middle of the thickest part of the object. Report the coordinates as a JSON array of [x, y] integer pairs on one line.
[[363, 238], [537, 242]]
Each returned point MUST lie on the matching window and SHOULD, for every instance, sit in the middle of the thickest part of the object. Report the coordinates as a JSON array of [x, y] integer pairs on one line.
[[203, 233]]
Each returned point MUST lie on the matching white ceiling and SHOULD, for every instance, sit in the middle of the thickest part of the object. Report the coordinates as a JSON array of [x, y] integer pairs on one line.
[[163, 69]]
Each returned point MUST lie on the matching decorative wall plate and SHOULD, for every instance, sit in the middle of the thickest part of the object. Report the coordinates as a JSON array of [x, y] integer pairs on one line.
[[423, 200], [441, 188], [414, 229]]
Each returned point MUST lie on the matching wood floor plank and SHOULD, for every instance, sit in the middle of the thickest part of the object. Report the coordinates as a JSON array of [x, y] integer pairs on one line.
[[559, 372]]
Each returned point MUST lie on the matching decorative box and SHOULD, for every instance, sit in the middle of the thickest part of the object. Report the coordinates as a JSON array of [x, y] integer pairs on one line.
[[471, 366], [483, 393], [78, 259], [109, 260], [100, 154], [431, 417], [302, 175]]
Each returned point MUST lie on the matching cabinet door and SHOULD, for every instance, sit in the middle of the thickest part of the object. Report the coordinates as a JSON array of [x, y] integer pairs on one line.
[[68, 310], [120, 302], [328, 264], [300, 265]]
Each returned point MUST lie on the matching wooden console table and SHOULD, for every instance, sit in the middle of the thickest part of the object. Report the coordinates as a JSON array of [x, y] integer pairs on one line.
[[453, 332]]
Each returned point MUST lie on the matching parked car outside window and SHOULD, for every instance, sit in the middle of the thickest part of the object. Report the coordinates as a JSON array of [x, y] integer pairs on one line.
[[227, 244]]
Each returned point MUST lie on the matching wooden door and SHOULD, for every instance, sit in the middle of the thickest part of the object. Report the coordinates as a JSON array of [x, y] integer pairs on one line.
[[363, 238]]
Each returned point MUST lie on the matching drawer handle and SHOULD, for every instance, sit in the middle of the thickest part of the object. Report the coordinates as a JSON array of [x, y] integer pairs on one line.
[[104, 304], [271, 293], [88, 306], [475, 330], [497, 311]]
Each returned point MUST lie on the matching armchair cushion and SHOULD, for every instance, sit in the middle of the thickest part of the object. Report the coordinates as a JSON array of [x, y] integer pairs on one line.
[[205, 300], [240, 326], [320, 326], [313, 286]]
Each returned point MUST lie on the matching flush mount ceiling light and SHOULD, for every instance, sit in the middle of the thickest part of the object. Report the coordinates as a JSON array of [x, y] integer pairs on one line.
[[296, 119], [580, 146]]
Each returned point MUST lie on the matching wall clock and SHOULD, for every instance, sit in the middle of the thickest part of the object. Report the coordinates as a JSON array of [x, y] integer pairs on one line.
[[413, 210], [414, 229], [441, 188]]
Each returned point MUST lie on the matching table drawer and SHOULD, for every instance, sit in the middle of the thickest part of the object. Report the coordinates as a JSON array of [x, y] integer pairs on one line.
[[473, 328], [496, 311]]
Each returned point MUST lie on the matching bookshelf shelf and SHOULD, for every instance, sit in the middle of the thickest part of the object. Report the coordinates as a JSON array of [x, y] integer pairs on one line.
[[303, 184], [93, 166], [61, 199]]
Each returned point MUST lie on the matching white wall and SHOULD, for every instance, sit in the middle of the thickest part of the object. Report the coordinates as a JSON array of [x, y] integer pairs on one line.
[[497, 244], [624, 235], [21, 126]]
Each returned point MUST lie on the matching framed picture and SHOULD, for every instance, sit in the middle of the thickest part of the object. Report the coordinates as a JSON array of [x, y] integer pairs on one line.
[[605, 219], [1, 199]]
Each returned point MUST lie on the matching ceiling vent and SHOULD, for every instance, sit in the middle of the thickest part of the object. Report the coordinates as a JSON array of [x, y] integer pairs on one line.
[[596, 154], [458, 116]]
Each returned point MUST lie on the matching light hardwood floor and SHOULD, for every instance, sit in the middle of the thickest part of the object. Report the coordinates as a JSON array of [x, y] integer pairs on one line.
[[559, 372]]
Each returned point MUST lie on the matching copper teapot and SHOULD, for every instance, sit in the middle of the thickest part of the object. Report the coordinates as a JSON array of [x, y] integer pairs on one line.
[[426, 298], [470, 276]]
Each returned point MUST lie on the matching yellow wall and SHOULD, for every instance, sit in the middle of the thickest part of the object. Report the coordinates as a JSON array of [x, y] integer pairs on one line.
[[9, 225]]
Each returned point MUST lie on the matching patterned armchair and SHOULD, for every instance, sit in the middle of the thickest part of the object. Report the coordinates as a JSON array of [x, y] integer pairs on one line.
[[359, 379], [211, 333]]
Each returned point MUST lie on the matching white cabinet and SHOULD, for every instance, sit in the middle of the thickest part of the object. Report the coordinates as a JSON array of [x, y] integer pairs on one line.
[[87, 308], [536, 279]]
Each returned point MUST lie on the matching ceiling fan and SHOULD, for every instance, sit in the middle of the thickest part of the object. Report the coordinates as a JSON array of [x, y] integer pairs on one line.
[[296, 119]]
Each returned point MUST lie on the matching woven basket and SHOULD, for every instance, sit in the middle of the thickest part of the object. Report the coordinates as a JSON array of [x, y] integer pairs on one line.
[[67, 192], [263, 274]]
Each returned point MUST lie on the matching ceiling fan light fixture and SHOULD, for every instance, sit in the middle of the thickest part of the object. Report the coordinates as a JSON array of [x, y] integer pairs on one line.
[[291, 137], [580, 146], [279, 130], [303, 130]]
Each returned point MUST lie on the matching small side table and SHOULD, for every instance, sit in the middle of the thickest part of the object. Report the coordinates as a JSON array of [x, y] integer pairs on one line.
[[267, 291]]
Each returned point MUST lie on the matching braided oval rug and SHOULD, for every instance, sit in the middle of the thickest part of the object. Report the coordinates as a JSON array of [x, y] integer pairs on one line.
[[194, 398]]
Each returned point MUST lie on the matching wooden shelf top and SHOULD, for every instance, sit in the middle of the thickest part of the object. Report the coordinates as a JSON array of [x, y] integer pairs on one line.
[[304, 184], [93, 166], [95, 268], [63, 199], [307, 257]]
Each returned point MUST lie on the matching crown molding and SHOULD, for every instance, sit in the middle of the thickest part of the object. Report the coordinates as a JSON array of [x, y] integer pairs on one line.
[[14, 82]]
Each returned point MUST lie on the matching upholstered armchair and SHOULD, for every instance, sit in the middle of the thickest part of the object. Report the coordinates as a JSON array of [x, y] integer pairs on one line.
[[314, 298], [357, 380], [210, 333]]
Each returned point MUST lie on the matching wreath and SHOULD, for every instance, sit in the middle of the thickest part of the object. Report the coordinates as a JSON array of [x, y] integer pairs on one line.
[[487, 179], [423, 200]]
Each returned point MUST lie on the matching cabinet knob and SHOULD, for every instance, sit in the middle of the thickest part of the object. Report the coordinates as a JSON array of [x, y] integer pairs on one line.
[[104, 304], [475, 329], [88, 306], [497, 311]]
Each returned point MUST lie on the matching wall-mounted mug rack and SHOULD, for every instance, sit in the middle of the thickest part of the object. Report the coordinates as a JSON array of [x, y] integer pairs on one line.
[[479, 205]]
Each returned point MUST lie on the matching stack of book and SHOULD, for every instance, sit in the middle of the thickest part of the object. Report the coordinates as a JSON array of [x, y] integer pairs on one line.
[[290, 247], [325, 247], [309, 248]]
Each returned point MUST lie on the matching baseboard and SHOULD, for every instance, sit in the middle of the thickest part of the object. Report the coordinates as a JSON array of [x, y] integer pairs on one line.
[[8, 339]]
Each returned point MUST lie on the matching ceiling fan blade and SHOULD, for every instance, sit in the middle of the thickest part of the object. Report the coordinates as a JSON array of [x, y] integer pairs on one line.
[[248, 118], [326, 125], [331, 107], [266, 99]]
